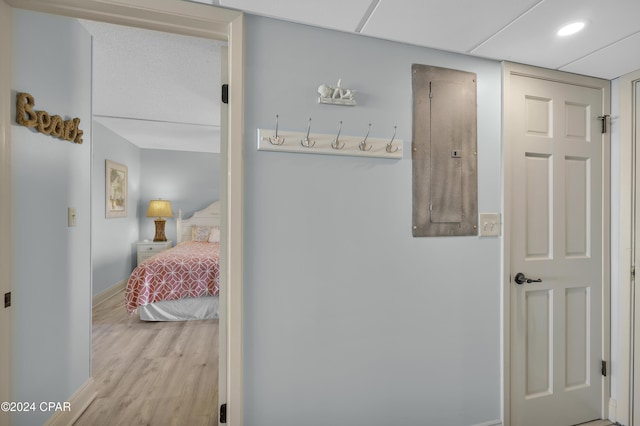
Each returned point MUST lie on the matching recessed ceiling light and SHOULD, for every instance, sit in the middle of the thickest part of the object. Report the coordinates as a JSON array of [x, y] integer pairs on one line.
[[569, 29]]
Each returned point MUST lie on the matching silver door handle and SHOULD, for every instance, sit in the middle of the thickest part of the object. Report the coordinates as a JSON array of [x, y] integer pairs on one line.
[[520, 278]]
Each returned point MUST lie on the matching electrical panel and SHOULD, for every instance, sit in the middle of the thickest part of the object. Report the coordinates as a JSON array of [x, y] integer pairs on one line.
[[444, 152]]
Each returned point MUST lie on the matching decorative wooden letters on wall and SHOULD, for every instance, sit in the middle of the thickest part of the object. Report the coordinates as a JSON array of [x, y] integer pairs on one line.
[[44, 123]]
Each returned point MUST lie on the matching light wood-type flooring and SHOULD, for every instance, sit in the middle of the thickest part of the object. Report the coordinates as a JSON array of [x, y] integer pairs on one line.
[[152, 373], [156, 373]]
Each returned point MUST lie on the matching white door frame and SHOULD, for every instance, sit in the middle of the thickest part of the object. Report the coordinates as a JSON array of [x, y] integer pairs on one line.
[[6, 242], [627, 248], [559, 76], [170, 16]]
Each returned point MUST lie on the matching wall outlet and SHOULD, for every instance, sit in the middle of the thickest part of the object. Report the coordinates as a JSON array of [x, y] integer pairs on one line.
[[490, 224], [72, 216]]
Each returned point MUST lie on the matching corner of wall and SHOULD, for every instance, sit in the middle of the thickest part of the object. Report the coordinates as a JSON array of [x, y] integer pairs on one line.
[[108, 293]]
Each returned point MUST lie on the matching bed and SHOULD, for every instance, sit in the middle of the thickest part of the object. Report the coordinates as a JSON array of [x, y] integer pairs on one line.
[[181, 283]]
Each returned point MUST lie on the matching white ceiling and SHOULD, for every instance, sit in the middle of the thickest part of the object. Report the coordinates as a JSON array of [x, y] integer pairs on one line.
[[157, 90], [515, 30], [162, 90]]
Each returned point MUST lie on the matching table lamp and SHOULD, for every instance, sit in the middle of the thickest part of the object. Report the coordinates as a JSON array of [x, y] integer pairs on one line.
[[159, 209]]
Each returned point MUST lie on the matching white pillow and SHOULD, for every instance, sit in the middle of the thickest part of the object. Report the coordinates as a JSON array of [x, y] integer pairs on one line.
[[214, 235], [200, 233]]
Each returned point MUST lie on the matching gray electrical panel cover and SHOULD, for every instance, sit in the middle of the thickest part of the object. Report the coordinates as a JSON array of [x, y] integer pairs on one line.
[[444, 152]]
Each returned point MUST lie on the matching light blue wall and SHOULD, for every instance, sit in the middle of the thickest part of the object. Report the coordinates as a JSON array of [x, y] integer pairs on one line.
[[348, 319], [113, 239], [190, 180], [52, 283], [344, 310]]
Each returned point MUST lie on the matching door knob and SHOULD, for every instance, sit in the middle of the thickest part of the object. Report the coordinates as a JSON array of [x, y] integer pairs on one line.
[[520, 278]]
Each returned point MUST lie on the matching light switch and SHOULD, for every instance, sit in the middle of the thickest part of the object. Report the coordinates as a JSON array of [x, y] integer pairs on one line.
[[490, 224], [72, 216]]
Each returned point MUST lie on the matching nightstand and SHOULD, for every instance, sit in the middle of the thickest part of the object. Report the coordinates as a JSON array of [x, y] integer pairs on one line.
[[146, 249]]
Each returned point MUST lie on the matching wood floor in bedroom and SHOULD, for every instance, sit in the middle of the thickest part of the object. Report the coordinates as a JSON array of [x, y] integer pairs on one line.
[[152, 373]]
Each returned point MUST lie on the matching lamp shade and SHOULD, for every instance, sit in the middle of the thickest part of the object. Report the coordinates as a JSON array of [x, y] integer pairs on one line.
[[159, 208]]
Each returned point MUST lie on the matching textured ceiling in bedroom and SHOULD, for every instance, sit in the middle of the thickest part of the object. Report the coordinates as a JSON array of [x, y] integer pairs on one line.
[[155, 89]]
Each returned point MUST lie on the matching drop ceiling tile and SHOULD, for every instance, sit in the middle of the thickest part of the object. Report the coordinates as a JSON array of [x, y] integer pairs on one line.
[[611, 62], [532, 38], [335, 14], [448, 25]]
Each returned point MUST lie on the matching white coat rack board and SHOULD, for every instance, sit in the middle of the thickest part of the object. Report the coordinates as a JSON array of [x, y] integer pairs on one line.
[[329, 144]]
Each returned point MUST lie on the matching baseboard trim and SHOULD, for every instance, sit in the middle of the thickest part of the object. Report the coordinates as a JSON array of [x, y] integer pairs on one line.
[[108, 293], [490, 423], [613, 410], [79, 402]]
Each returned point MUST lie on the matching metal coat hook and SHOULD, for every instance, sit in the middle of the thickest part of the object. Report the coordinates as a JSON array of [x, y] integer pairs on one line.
[[336, 143], [275, 139], [390, 144], [306, 142], [363, 145]]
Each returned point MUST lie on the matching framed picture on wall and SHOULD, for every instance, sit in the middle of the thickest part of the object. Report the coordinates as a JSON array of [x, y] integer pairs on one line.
[[116, 189]]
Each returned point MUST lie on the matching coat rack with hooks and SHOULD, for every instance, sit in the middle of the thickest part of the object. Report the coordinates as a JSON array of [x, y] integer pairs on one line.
[[330, 144]]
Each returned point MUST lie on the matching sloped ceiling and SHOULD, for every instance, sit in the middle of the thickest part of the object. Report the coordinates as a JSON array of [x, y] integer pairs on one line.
[[157, 90]]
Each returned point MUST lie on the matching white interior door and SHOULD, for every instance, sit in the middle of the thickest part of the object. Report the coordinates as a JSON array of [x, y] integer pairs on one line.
[[558, 234]]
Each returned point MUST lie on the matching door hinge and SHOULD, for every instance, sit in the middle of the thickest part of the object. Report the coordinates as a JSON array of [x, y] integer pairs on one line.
[[604, 122], [223, 413], [604, 368], [633, 273], [225, 93], [7, 300]]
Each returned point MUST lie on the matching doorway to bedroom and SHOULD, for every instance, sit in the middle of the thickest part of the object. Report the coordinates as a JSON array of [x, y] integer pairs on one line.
[[157, 116], [71, 377]]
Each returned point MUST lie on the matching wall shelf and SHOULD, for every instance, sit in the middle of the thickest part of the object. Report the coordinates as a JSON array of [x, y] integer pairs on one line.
[[350, 145]]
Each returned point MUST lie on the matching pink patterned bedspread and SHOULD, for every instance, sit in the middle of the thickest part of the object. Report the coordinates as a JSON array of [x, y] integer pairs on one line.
[[190, 269]]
